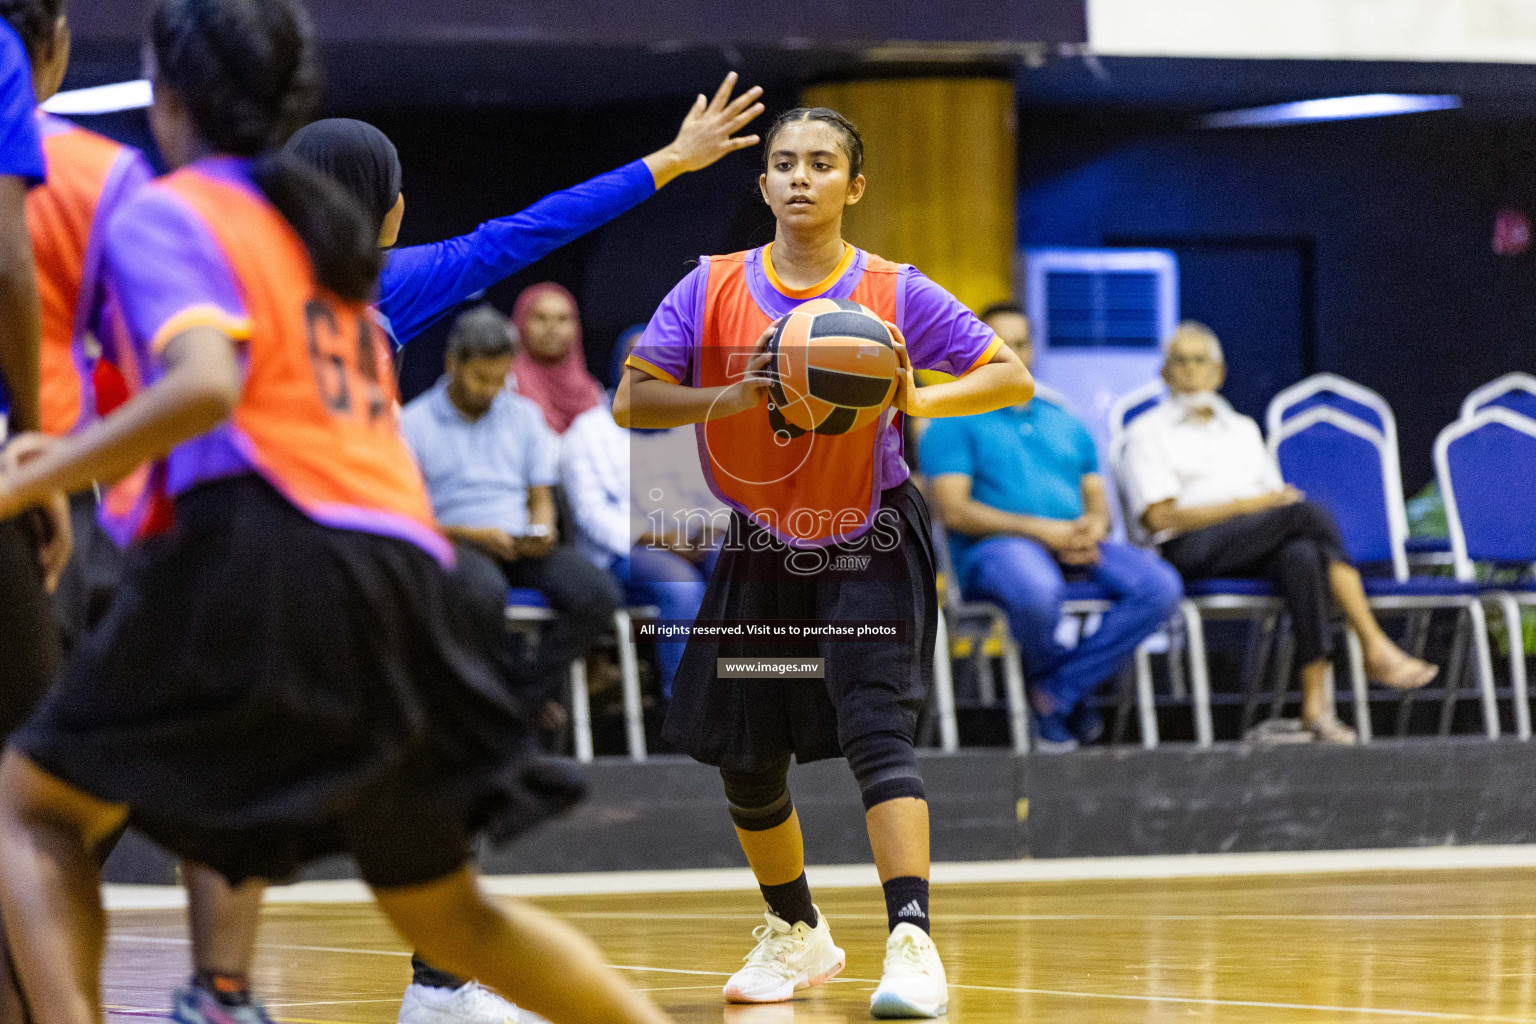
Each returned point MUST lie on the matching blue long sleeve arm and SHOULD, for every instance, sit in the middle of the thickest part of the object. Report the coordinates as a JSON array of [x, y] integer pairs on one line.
[[422, 282]]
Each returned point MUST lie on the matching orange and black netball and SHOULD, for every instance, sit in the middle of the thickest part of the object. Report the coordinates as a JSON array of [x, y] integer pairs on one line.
[[834, 368]]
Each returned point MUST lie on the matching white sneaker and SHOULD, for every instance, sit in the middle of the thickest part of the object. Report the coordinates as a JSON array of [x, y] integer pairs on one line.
[[785, 960], [913, 984], [471, 1003]]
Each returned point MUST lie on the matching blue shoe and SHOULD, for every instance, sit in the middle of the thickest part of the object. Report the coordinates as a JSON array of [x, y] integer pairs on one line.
[[192, 1005], [1052, 736], [1085, 723]]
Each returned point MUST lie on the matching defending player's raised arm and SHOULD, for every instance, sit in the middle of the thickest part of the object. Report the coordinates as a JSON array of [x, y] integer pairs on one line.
[[708, 132], [1000, 382], [423, 282]]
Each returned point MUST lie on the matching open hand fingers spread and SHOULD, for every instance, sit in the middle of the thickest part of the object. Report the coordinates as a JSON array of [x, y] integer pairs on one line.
[[723, 94], [739, 105]]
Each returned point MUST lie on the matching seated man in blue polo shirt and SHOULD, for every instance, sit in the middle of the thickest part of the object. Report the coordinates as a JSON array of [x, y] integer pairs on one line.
[[491, 463], [1020, 493]]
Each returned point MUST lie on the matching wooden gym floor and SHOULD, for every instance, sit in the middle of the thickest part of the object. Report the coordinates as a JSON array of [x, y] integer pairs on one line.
[[1348, 948]]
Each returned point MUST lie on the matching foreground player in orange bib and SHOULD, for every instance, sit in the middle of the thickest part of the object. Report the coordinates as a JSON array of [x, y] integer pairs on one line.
[[826, 530], [282, 673]]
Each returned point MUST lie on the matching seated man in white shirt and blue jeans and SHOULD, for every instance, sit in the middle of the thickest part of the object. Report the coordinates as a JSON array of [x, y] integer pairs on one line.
[[1019, 490], [1204, 485]]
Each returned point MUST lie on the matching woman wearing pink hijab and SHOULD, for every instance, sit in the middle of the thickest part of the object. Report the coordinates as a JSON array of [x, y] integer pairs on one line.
[[551, 366]]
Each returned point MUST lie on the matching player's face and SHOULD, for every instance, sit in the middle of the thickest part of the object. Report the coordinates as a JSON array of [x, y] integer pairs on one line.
[[473, 384], [806, 184], [551, 328], [389, 232]]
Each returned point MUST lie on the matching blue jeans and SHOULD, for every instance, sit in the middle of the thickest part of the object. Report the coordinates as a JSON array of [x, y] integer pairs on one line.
[[671, 583], [1025, 580]]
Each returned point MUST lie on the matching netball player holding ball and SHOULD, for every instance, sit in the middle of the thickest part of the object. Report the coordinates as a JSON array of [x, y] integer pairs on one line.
[[801, 498]]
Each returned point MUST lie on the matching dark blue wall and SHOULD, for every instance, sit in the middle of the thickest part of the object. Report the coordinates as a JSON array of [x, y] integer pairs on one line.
[[1406, 295]]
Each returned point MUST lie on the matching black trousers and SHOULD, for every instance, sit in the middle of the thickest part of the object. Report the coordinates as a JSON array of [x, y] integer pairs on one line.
[[1292, 545]]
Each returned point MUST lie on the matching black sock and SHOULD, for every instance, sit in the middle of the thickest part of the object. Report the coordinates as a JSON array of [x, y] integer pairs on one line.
[[228, 989], [906, 901], [423, 973], [791, 901]]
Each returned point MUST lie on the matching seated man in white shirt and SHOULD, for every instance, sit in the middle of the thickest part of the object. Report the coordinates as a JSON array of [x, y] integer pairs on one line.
[[1204, 485], [644, 512]]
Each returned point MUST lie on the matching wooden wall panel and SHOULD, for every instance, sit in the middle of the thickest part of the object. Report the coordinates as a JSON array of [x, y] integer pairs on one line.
[[940, 157]]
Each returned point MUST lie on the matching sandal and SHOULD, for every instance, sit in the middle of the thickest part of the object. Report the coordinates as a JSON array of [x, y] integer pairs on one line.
[[1331, 731]]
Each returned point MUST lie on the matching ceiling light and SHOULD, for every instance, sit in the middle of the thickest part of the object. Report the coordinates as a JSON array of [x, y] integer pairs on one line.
[[1336, 108], [102, 99]]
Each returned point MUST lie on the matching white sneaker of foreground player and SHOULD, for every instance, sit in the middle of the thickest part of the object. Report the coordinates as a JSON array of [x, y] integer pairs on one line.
[[468, 1004], [785, 960], [913, 983]]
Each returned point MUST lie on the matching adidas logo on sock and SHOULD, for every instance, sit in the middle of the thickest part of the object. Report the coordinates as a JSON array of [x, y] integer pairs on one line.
[[911, 910]]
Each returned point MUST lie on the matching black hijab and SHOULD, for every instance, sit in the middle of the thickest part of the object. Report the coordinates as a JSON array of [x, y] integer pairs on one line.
[[357, 156]]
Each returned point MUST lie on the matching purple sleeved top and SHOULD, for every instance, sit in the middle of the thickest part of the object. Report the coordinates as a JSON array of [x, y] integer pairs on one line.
[[941, 333], [166, 274]]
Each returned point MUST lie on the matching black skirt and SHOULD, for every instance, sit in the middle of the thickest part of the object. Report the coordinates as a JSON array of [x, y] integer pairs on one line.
[[265, 691], [87, 583], [748, 725], [30, 651]]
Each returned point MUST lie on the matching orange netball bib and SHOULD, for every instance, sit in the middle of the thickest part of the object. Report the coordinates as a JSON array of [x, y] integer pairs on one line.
[[809, 490]]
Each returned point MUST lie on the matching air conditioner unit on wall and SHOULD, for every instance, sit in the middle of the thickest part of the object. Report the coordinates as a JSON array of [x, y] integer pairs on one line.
[[1100, 318]]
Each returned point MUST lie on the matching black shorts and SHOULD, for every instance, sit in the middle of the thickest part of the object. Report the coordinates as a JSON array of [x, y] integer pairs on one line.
[[265, 691], [748, 725], [29, 641]]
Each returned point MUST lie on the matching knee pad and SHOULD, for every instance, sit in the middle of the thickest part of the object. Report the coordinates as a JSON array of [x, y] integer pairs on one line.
[[886, 767], [759, 801]]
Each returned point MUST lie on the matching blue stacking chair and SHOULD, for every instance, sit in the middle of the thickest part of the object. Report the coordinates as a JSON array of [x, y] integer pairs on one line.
[[1485, 464], [1344, 464], [1348, 466], [1513, 391], [527, 610], [1131, 405], [1329, 390]]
